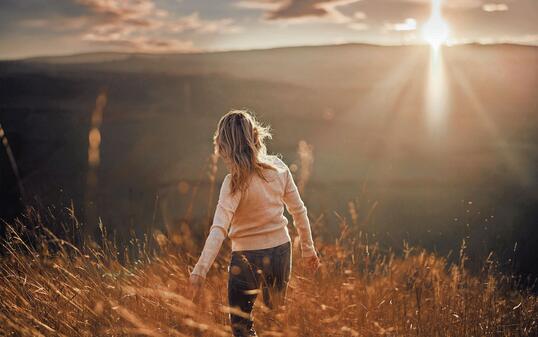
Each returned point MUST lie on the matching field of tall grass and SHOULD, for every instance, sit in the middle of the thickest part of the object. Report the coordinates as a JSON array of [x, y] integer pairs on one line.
[[54, 283], [57, 281]]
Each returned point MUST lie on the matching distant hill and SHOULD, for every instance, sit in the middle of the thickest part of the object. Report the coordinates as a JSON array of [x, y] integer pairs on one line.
[[363, 108]]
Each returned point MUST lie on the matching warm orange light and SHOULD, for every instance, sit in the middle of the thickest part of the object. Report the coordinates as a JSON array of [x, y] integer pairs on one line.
[[94, 138]]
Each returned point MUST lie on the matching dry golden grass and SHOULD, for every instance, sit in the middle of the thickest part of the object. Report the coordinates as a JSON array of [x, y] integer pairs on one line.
[[52, 287]]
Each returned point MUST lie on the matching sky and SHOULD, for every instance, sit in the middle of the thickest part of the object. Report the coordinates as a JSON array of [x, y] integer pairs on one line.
[[58, 27]]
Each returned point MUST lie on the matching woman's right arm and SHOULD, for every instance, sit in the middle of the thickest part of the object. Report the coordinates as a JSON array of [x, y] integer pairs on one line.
[[224, 212]]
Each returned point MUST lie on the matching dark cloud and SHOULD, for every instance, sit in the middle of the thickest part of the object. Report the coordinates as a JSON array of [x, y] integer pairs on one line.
[[294, 9], [299, 8]]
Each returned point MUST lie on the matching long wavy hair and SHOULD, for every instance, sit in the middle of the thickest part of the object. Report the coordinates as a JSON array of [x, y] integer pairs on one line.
[[240, 141]]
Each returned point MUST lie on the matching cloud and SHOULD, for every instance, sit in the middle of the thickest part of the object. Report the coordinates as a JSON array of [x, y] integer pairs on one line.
[[359, 15], [134, 24], [359, 26], [121, 10], [143, 44], [457, 4], [494, 7], [144, 14], [125, 14], [268, 5], [193, 22], [407, 25], [57, 24], [129, 24], [300, 10], [528, 39]]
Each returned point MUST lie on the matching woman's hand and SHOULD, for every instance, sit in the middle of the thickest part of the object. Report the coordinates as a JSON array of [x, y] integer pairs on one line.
[[197, 284], [311, 263]]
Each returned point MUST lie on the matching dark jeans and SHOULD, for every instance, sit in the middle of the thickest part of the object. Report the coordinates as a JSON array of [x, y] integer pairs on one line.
[[265, 271]]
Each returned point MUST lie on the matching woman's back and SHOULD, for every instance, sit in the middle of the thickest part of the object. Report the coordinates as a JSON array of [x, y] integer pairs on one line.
[[253, 218], [259, 220]]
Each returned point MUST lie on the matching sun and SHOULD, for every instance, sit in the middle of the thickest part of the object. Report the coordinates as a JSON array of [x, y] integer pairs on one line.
[[435, 31]]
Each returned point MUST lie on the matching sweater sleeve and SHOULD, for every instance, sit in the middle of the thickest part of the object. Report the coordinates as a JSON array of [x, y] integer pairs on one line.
[[295, 206], [226, 206]]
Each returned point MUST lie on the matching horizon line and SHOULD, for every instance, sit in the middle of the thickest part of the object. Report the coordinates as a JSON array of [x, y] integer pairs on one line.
[[216, 51]]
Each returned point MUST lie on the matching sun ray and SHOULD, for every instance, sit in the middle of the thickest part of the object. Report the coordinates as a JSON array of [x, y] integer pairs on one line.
[[435, 32], [436, 95], [514, 162]]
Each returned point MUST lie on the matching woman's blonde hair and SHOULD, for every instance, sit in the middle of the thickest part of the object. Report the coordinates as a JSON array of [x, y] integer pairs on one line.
[[239, 140]]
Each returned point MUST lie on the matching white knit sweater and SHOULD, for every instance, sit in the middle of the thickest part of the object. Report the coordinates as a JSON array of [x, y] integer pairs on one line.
[[254, 219]]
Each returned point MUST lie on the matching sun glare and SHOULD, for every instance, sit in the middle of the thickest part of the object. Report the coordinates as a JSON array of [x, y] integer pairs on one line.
[[435, 31]]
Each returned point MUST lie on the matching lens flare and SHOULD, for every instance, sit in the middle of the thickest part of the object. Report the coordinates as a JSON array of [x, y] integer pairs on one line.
[[435, 31]]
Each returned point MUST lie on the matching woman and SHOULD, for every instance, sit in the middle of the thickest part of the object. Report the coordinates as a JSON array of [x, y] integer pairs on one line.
[[250, 210]]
